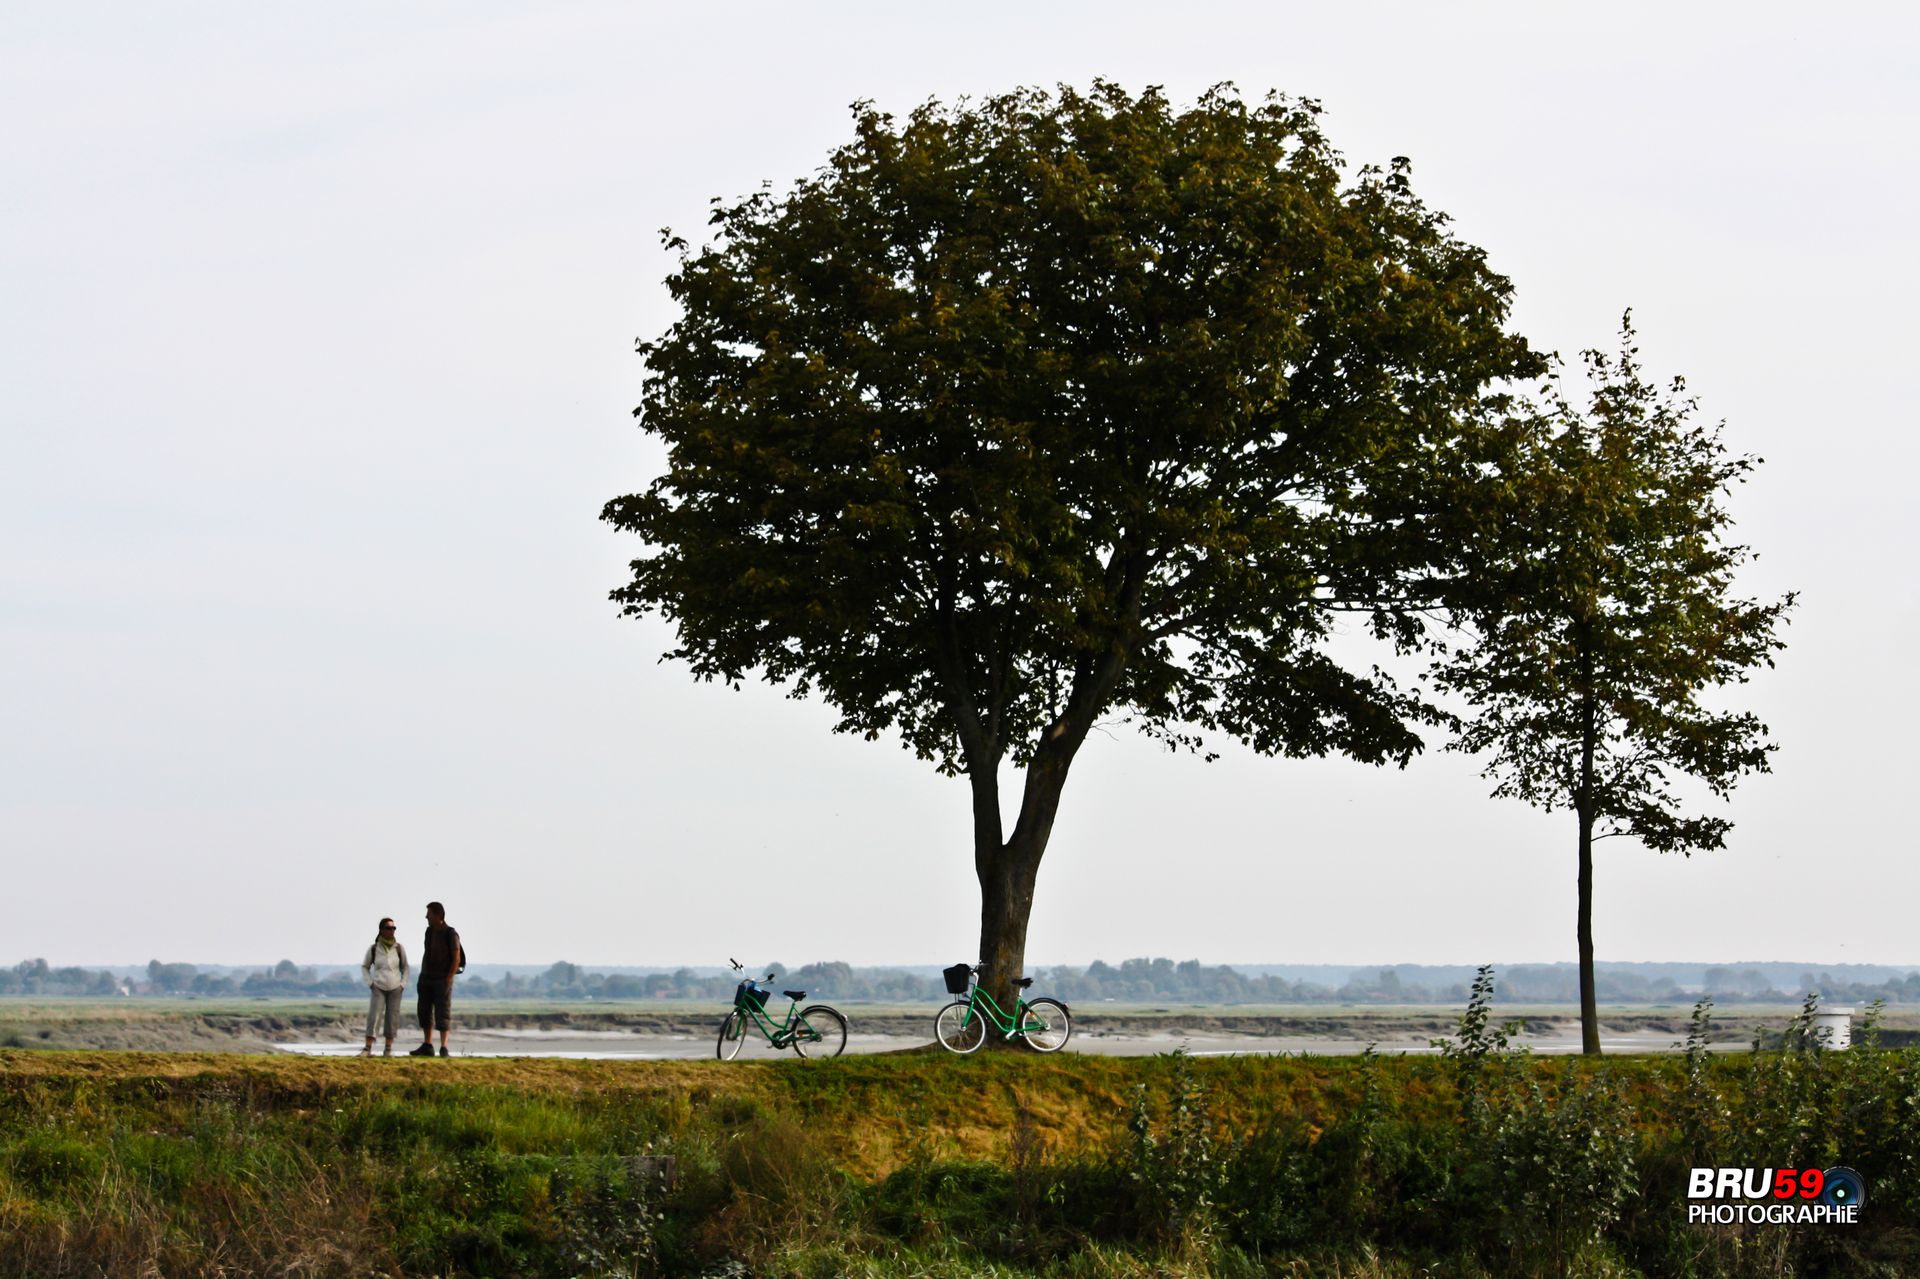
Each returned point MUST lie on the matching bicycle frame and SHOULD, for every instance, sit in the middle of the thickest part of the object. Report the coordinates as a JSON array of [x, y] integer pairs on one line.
[[1008, 1026], [781, 1036]]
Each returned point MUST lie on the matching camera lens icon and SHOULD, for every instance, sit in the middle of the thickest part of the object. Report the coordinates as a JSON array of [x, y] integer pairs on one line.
[[1843, 1188]]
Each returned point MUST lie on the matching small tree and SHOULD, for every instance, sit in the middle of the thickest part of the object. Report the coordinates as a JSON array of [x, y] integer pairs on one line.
[[1023, 413], [1615, 616]]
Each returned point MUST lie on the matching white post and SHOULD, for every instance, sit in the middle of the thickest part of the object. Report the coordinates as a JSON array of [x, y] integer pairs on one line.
[[1833, 1028]]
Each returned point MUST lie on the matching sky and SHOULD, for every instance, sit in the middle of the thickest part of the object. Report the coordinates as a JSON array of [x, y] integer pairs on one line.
[[316, 335]]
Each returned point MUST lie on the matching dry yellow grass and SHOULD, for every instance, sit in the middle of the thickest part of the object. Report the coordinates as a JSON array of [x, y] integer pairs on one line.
[[870, 1114]]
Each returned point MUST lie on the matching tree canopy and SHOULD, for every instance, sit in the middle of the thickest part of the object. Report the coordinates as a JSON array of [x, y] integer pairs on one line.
[[1023, 412]]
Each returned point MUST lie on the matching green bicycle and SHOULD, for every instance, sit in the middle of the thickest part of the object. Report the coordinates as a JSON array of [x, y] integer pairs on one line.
[[813, 1031], [962, 1025]]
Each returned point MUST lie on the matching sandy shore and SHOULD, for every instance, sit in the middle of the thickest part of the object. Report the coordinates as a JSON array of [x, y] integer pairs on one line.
[[637, 1045], [668, 1030]]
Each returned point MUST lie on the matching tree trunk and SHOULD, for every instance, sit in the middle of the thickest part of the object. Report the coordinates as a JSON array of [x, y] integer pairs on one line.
[[1589, 1007], [1006, 903], [1007, 871], [1584, 806]]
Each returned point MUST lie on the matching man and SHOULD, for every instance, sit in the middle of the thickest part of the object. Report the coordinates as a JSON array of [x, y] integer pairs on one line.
[[439, 962]]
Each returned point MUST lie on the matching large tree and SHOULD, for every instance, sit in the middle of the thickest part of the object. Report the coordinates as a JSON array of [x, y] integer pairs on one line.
[[1596, 670], [1050, 407]]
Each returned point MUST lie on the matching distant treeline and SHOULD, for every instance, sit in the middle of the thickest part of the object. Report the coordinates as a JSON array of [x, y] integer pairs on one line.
[[1134, 981], [1140, 980]]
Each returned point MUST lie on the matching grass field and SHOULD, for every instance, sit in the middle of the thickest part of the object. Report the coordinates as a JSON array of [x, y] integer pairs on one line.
[[1485, 1162]]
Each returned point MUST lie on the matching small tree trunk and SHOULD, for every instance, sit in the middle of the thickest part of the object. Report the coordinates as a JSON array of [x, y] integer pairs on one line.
[[1589, 1007], [1584, 807]]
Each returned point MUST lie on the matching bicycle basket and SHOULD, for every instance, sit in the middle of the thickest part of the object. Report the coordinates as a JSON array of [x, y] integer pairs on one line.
[[957, 978], [748, 995]]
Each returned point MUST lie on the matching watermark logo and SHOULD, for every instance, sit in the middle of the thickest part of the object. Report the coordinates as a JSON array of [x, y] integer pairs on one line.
[[1777, 1196]]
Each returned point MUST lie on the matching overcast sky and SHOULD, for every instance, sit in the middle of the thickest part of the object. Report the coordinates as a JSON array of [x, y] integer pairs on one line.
[[317, 330]]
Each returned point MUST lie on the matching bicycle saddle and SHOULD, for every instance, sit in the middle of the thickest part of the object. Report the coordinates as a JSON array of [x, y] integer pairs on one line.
[[1024, 982], [795, 995]]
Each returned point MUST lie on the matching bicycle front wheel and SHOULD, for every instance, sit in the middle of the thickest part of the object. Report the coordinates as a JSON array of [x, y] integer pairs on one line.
[[1045, 1025], [733, 1034], [819, 1031], [960, 1028]]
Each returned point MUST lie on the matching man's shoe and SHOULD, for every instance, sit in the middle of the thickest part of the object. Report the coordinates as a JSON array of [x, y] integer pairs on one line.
[[388, 1052], [365, 1052], [424, 1050], [443, 1050]]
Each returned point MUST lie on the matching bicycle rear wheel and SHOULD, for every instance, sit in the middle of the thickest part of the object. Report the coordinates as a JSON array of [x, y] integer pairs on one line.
[[819, 1031], [1045, 1025], [733, 1035], [960, 1028]]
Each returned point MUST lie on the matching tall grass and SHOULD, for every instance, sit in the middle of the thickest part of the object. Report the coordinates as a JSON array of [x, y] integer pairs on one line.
[[1482, 1161]]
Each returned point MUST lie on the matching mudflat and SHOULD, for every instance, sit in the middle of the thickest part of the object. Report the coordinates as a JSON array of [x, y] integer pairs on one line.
[[679, 1030]]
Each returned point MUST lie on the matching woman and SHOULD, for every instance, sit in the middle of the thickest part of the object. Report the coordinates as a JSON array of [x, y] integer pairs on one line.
[[385, 969]]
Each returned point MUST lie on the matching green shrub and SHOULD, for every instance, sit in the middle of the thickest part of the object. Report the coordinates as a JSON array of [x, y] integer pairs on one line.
[[1176, 1176], [1558, 1170], [158, 1165], [970, 1203], [48, 1163], [605, 1218]]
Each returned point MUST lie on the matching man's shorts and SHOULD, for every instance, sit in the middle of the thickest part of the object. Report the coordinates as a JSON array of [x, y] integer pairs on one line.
[[436, 1005]]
